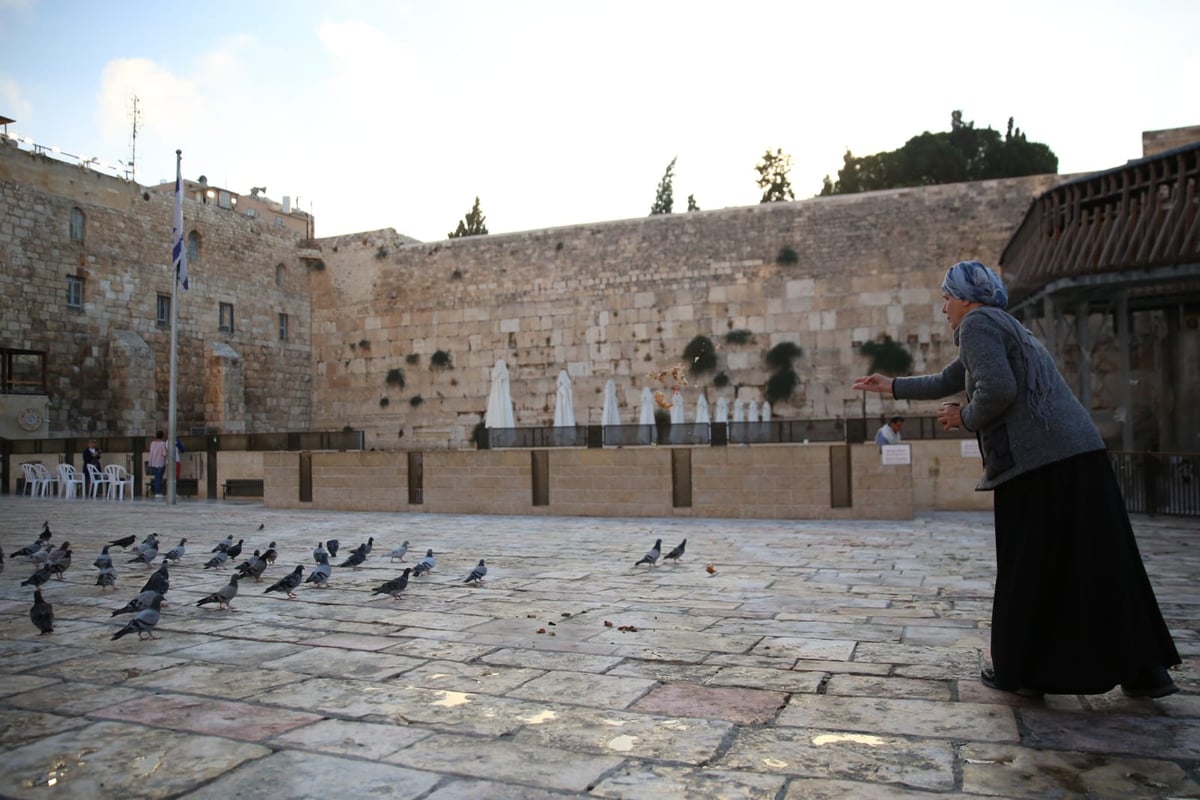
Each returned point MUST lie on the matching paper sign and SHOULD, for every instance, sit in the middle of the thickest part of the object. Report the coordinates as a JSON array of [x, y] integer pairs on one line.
[[894, 454], [969, 448]]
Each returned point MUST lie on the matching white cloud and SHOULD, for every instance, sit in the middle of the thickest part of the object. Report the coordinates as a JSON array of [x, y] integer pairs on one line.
[[12, 101]]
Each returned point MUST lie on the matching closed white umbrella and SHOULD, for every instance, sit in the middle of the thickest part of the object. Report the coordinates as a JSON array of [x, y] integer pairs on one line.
[[646, 415], [751, 411], [722, 410], [610, 414], [500, 407], [766, 412], [702, 410], [739, 411], [676, 408], [564, 402]]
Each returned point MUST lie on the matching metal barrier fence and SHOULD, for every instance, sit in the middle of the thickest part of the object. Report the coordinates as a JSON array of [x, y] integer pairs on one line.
[[1159, 483]]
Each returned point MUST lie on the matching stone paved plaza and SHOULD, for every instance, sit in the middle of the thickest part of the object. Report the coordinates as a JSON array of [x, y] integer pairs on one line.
[[813, 660]]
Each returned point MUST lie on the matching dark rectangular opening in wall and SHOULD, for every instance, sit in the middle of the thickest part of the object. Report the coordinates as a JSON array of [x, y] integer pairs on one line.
[[681, 478], [416, 478], [839, 476], [306, 477], [540, 462]]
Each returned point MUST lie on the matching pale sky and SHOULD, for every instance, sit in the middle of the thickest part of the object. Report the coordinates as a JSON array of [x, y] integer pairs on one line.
[[398, 114]]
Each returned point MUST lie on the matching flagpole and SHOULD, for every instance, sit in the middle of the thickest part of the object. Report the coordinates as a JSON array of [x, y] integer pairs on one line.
[[178, 256]]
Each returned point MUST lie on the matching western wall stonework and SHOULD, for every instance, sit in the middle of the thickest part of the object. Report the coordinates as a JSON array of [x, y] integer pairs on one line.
[[623, 299], [108, 363]]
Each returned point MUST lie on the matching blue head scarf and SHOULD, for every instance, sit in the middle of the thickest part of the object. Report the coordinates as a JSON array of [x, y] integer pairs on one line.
[[973, 282]]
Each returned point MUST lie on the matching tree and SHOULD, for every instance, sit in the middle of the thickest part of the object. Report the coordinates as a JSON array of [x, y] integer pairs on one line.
[[472, 224], [964, 153], [692, 203], [773, 177], [664, 201]]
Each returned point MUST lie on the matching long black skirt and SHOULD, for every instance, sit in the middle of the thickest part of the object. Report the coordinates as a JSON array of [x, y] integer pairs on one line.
[[1073, 612]]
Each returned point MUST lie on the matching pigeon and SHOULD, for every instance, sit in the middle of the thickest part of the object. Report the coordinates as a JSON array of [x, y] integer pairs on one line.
[[370, 545], [253, 567], [42, 557], [271, 554], [288, 583], [262, 525], [104, 560], [398, 553], [236, 550], [223, 597], [59, 565], [332, 547], [320, 573], [143, 621], [176, 552], [41, 614], [218, 560], [140, 601], [224, 545], [52, 557], [148, 555], [34, 550], [124, 541], [159, 580], [146, 544], [676, 552], [38, 578], [319, 553], [477, 574], [38, 544], [395, 586], [356, 558], [107, 577], [651, 554], [425, 564]]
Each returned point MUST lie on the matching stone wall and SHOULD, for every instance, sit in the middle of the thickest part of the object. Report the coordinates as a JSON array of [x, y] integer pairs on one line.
[[108, 363], [621, 299], [774, 482]]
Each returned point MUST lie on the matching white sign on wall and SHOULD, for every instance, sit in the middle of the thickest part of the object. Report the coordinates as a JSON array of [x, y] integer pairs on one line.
[[969, 448], [896, 454]]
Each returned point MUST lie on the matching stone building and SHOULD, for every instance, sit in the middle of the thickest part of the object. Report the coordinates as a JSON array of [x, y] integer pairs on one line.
[[397, 338]]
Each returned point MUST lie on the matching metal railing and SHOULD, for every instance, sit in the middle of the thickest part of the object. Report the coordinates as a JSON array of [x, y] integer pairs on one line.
[[1159, 483]]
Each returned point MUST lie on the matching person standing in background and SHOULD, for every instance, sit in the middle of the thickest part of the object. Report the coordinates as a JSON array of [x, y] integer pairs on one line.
[[158, 462]]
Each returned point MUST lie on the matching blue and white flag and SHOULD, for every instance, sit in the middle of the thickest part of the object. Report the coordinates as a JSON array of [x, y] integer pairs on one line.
[[178, 246]]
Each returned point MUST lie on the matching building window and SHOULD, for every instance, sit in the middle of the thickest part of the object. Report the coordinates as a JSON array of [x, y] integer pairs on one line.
[[193, 248], [22, 372], [77, 225], [75, 292], [280, 275], [279, 222], [226, 321], [283, 327], [163, 315]]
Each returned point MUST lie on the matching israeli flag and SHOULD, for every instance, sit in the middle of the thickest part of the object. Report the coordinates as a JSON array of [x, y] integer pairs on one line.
[[178, 246]]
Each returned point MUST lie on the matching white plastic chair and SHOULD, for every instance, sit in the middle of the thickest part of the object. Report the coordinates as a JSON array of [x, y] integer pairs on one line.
[[119, 479], [45, 481], [31, 479], [101, 482], [68, 479]]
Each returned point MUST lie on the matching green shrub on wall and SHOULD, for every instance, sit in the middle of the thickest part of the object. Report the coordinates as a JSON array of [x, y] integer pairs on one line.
[[887, 356], [440, 360], [781, 385], [700, 355], [395, 377]]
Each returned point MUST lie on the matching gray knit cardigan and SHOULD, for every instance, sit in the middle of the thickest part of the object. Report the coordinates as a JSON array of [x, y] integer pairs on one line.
[[991, 368]]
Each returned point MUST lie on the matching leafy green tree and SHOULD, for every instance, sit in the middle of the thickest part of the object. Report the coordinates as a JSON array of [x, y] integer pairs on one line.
[[964, 153], [664, 201], [692, 203], [473, 224], [773, 177]]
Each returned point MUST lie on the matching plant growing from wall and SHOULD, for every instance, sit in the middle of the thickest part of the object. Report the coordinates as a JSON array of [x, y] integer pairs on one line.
[[440, 360], [416, 400], [783, 380], [700, 355], [384, 402], [720, 380], [787, 255], [887, 356], [412, 358], [739, 336], [395, 377]]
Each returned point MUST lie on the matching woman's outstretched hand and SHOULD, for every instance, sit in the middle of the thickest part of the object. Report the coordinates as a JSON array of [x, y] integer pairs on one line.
[[874, 383]]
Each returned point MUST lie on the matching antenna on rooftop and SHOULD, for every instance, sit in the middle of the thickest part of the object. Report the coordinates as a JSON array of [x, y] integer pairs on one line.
[[135, 114]]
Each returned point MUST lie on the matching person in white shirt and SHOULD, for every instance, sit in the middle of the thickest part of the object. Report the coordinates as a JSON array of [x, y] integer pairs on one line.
[[890, 432]]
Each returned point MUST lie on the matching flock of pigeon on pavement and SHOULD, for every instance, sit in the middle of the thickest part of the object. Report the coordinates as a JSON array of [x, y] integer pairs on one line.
[[146, 607]]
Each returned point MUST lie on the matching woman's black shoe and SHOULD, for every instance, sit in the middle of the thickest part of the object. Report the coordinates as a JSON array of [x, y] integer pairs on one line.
[[988, 678], [1154, 686]]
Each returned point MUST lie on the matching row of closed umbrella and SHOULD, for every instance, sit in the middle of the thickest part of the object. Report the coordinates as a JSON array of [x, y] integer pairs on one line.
[[500, 407]]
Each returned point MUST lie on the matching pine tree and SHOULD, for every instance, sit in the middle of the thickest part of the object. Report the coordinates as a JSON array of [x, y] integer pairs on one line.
[[664, 201], [472, 224]]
